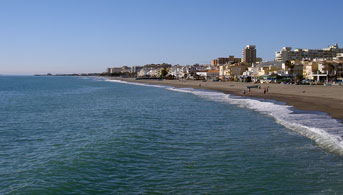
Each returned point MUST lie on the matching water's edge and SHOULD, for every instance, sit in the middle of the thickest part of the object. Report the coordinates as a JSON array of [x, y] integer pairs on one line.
[[325, 131]]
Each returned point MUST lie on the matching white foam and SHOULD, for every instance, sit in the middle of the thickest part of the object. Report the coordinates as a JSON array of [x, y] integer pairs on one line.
[[321, 128], [140, 84]]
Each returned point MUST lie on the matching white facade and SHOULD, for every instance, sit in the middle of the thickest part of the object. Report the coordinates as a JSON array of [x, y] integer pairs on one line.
[[178, 71], [252, 72], [339, 56], [143, 73], [286, 53], [202, 73]]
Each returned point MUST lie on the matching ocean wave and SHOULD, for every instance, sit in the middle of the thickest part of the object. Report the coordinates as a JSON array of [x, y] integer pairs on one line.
[[139, 84], [325, 131]]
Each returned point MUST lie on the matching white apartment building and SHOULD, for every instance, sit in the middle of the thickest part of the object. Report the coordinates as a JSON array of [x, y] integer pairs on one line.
[[286, 53]]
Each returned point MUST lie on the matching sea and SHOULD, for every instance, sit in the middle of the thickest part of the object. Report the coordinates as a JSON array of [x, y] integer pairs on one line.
[[88, 135]]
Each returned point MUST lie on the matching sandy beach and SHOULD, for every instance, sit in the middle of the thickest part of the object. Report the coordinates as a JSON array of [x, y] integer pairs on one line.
[[327, 99]]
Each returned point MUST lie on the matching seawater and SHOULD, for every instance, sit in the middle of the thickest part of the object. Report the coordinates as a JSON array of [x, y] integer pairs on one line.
[[320, 127], [70, 135]]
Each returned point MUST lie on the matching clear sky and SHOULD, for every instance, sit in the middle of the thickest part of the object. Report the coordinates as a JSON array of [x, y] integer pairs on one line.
[[79, 36]]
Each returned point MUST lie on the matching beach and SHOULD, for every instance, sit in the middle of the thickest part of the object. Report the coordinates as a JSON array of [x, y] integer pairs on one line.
[[328, 99]]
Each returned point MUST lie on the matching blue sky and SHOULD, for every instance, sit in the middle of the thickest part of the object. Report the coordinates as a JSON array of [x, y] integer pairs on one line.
[[71, 36]]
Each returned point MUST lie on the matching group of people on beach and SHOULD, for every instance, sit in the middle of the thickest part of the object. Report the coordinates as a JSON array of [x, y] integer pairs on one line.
[[266, 90]]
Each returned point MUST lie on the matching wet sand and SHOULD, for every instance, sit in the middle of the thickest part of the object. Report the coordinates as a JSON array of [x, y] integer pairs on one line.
[[327, 99]]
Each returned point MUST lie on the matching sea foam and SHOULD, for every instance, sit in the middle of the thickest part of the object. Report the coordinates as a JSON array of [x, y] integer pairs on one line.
[[325, 131]]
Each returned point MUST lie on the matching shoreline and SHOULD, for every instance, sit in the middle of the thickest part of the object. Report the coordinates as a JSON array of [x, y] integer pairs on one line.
[[327, 99]]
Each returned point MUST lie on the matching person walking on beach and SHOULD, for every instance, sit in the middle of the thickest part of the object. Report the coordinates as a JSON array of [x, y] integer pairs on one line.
[[265, 90], [243, 92], [249, 89]]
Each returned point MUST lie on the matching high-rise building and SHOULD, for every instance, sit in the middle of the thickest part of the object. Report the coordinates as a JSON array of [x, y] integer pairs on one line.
[[249, 54]]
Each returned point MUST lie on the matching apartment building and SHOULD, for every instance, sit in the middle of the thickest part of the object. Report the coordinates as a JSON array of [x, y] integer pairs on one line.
[[223, 61], [287, 54], [249, 54]]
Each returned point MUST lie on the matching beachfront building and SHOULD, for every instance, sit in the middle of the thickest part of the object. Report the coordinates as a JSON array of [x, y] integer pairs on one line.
[[224, 72], [310, 68], [327, 67], [251, 73], [148, 72], [115, 70], [339, 56], [125, 69], [267, 70], [338, 65], [270, 67], [143, 72], [318, 70], [314, 71], [208, 74], [249, 54], [186, 72], [202, 73], [178, 71], [153, 70], [327, 71], [298, 71], [294, 68], [264, 72], [287, 54], [236, 70], [213, 74], [135, 69]]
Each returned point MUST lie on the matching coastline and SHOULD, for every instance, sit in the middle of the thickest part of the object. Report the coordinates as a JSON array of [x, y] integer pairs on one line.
[[327, 99]]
